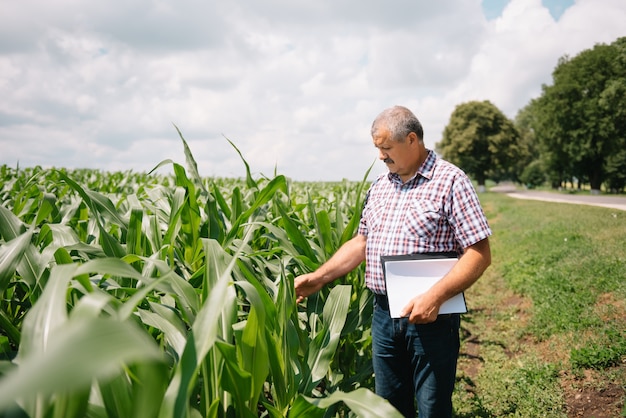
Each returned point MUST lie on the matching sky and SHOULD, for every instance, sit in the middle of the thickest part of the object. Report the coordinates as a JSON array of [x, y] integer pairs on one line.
[[294, 84]]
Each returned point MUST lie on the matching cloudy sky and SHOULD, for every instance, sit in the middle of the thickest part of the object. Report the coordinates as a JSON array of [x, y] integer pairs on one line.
[[294, 84]]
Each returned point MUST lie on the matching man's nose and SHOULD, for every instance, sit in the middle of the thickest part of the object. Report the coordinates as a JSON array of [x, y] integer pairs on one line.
[[382, 155]]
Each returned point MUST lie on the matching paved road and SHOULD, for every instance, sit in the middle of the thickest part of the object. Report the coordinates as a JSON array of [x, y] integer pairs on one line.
[[615, 202]]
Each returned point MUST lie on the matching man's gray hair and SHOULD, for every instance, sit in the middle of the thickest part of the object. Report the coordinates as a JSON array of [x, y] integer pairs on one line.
[[400, 121]]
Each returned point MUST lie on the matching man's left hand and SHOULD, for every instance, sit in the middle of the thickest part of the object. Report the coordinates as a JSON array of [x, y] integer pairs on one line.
[[420, 310]]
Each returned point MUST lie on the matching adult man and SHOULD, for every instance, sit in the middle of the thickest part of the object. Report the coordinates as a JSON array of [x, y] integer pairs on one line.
[[422, 205]]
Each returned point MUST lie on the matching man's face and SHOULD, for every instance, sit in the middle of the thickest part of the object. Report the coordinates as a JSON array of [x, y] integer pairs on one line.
[[401, 158]]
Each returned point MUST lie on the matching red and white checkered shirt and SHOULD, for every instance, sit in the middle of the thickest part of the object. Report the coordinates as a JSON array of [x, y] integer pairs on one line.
[[435, 211]]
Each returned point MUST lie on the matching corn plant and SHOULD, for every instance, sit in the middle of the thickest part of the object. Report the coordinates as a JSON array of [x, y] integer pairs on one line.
[[171, 295]]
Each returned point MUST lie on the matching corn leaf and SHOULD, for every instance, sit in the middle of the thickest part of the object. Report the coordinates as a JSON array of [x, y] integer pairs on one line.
[[11, 254], [101, 346], [361, 401], [164, 319], [31, 264], [192, 166], [323, 346], [204, 332]]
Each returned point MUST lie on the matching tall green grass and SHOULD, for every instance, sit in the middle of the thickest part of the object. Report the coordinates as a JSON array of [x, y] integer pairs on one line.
[[563, 257]]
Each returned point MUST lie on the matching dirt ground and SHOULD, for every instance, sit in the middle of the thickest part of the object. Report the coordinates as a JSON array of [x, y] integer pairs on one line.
[[587, 394], [591, 402]]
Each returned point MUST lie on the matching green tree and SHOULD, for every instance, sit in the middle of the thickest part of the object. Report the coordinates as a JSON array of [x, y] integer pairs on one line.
[[528, 149], [581, 117], [550, 141], [482, 141]]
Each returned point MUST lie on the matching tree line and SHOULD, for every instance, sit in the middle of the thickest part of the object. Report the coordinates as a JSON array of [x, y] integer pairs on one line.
[[575, 131]]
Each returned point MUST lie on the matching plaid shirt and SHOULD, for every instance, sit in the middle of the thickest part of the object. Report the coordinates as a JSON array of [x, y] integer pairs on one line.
[[437, 210]]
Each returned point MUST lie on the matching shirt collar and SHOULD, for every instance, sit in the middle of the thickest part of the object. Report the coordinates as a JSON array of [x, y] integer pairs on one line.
[[425, 170]]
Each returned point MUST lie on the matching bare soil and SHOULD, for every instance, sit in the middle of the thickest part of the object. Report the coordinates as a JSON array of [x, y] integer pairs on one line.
[[591, 397]]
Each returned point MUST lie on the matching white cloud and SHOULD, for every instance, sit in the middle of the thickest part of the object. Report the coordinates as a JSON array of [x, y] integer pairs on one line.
[[292, 84]]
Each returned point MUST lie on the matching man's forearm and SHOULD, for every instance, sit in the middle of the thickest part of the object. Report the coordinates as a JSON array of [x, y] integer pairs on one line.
[[346, 259], [465, 273]]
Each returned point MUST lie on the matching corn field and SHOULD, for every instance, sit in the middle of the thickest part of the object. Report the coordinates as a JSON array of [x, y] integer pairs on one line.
[[171, 295]]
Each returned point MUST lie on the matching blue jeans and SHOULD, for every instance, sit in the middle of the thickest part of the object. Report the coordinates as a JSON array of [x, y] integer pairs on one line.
[[415, 363]]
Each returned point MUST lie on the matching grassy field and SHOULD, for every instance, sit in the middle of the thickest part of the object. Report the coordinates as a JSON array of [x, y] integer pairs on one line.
[[126, 294], [547, 333]]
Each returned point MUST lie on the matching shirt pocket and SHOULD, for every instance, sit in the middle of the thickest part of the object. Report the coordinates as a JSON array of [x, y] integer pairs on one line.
[[423, 219], [375, 215]]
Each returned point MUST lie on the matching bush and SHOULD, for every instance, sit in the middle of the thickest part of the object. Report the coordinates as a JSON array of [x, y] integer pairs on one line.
[[533, 175]]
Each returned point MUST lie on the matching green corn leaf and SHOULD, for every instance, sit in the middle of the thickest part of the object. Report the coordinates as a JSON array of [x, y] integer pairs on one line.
[[31, 264], [102, 205], [111, 266], [325, 233], [322, 348], [237, 206], [71, 405], [168, 282], [154, 233], [11, 331], [86, 251], [99, 345], [165, 319], [46, 207], [254, 289], [305, 408], [116, 395], [174, 285], [274, 412], [253, 349], [221, 201], [62, 256], [288, 248], [177, 201], [353, 224], [192, 166], [10, 225], [214, 210], [235, 379], [163, 163], [362, 402], [249, 180], [48, 314], [204, 332], [150, 381], [60, 235], [202, 337], [102, 208], [190, 212], [110, 245], [295, 235], [134, 234], [321, 221], [277, 184], [11, 254], [285, 359], [93, 304], [99, 204], [361, 310]]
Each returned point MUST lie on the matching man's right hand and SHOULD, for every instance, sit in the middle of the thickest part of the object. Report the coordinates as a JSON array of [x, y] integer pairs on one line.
[[306, 285], [349, 256]]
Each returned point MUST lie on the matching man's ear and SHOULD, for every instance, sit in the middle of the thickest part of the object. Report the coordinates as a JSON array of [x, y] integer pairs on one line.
[[412, 137]]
